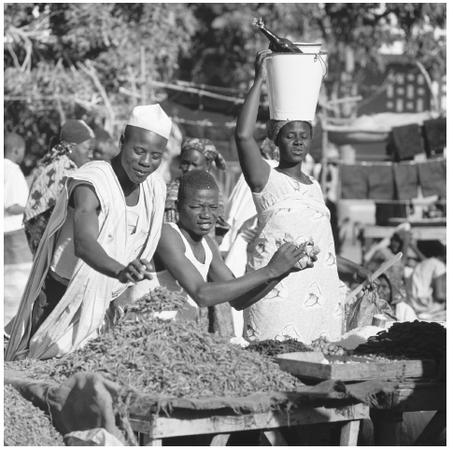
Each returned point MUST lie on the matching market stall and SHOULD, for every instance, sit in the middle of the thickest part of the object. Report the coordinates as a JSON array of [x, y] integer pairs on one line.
[[149, 381]]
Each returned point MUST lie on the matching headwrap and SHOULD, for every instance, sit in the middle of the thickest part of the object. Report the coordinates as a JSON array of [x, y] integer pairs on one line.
[[152, 118], [76, 132], [207, 148], [274, 127]]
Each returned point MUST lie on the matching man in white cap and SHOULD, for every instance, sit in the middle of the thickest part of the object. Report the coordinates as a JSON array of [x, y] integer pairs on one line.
[[103, 231]]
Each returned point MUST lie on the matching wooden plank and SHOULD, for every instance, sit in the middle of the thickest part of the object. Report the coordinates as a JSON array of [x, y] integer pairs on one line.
[[275, 437], [419, 233], [355, 369], [430, 435], [189, 424], [220, 440], [350, 433]]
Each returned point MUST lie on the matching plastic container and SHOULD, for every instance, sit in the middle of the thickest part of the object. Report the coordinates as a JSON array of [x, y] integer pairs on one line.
[[294, 82]]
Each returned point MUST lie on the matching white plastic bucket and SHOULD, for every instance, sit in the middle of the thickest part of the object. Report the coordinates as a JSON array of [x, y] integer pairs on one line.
[[309, 47], [294, 82]]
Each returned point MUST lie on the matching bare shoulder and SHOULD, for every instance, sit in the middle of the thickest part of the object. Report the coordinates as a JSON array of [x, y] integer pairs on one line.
[[170, 238], [84, 196]]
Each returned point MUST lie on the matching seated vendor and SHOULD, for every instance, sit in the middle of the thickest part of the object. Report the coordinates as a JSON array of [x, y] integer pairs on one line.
[[106, 221], [187, 258]]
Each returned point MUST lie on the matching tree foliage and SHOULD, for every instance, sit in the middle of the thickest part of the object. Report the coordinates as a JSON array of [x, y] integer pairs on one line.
[[70, 60], [78, 60]]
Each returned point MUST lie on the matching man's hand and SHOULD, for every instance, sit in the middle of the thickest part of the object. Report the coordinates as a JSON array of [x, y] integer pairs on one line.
[[285, 259], [137, 270]]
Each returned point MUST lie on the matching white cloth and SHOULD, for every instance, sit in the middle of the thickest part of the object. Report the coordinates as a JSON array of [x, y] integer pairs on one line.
[[421, 298], [405, 312], [80, 312], [165, 279], [151, 118], [15, 193], [309, 303]]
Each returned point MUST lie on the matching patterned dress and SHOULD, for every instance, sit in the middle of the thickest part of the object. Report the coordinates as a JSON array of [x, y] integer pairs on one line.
[[309, 303], [48, 181]]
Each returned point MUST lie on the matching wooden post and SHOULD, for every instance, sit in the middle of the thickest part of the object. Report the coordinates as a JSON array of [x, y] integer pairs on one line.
[[143, 89], [275, 437], [324, 144], [350, 433], [220, 440]]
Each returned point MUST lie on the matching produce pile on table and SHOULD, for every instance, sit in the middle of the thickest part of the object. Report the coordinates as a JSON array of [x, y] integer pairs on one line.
[[413, 340], [170, 358], [272, 347], [26, 425], [158, 300], [328, 348]]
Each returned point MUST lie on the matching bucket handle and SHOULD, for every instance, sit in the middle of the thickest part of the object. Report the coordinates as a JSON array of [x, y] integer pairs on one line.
[[319, 57]]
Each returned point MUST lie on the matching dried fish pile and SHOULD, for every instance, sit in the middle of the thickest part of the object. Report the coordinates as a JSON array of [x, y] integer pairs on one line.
[[272, 347], [158, 300], [175, 359], [421, 340], [26, 425]]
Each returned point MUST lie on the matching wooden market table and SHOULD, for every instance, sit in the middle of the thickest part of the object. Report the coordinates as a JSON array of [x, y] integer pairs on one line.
[[152, 430]]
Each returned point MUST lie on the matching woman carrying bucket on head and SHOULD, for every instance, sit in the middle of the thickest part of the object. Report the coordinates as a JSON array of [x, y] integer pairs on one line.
[[291, 208]]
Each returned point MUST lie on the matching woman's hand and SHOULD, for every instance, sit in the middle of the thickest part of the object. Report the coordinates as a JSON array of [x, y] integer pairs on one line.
[[259, 64]]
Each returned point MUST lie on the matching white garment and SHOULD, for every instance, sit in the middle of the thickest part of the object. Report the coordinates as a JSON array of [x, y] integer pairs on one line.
[[405, 312], [306, 304], [421, 298], [165, 279], [15, 193], [80, 312]]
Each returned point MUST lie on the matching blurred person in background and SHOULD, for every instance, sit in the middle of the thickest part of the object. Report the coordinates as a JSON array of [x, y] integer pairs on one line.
[[17, 256], [104, 148], [73, 149], [197, 153], [427, 287]]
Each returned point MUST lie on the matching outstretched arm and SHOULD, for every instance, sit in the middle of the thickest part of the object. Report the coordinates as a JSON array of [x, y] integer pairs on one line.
[[256, 171], [86, 246], [224, 287], [219, 271]]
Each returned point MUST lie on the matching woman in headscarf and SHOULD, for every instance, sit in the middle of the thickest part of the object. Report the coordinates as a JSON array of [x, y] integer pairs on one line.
[[74, 148], [291, 208], [196, 153]]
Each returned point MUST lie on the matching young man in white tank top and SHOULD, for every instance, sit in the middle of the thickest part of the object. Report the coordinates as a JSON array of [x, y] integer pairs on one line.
[[188, 257]]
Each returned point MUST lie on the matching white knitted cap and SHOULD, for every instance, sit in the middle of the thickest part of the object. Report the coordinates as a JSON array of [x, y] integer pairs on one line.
[[151, 118]]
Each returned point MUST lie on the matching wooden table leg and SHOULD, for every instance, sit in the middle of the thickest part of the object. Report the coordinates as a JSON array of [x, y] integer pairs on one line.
[[275, 437], [388, 426], [147, 441], [220, 440], [350, 433], [433, 430]]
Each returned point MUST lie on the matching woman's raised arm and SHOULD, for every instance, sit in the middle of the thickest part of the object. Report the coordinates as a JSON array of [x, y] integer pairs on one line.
[[255, 169]]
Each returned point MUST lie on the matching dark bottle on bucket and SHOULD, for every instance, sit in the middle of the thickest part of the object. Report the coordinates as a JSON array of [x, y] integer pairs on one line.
[[277, 43]]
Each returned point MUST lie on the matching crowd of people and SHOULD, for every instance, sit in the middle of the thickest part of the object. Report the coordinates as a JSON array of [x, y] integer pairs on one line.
[[97, 228]]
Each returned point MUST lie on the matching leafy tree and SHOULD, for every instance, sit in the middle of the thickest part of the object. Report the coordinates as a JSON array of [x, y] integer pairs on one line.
[[71, 60]]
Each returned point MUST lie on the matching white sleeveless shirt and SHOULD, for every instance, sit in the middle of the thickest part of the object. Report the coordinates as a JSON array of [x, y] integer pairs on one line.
[[165, 279]]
